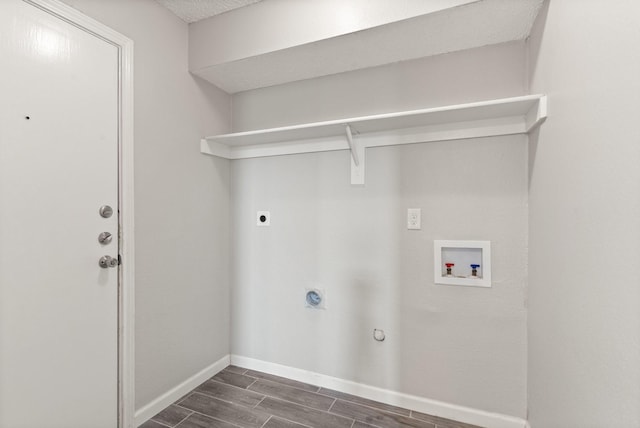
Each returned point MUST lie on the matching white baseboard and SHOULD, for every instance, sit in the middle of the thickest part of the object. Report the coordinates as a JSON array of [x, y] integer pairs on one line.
[[150, 410], [432, 407]]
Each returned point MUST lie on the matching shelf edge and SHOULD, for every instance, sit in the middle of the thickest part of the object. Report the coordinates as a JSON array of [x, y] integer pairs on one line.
[[346, 121]]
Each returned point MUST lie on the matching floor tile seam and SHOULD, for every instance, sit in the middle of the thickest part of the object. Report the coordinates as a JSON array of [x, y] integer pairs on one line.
[[162, 423], [226, 401], [366, 422], [459, 425], [264, 396], [439, 420], [244, 369], [178, 424], [435, 422], [300, 404], [380, 410], [372, 424], [195, 412], [429, 422], [183, 419], [183, 398], [265, 422], [258, 403], [293, 422], [227, 384], [323, 409], [425, 420], [317, 391], [288, 401], [236, 374], [371, 407], [285, 384], [355, 419], [331, 406], [251, 384], [311, 408], [223, 401]]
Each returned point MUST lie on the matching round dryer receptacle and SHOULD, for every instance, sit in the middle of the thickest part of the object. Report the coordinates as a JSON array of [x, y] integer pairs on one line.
[[314, 299]]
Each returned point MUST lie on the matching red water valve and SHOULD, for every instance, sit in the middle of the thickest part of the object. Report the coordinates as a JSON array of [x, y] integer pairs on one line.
[[449, 266]]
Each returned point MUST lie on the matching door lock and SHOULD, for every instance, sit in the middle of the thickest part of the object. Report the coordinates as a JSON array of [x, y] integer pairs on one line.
[[105, 238], [105, 211], [108, 262]]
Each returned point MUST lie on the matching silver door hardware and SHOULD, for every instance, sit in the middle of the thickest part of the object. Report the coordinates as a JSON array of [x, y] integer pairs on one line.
[[105, 238], [108, 262], [106, 211]]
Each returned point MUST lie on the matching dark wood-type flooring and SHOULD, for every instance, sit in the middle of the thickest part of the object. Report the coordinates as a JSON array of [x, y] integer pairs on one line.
[[241, 398]]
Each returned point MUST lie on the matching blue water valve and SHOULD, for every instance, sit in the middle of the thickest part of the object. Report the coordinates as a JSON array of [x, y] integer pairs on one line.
[[474, 270]]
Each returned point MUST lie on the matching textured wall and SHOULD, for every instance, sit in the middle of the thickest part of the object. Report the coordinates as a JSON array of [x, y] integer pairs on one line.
[[182, 201], [584, 321], [460, 345]]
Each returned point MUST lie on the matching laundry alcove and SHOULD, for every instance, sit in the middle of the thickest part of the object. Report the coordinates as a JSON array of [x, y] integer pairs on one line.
[[509, 116]]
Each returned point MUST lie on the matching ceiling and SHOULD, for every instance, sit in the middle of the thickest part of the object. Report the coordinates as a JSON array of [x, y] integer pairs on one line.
[[195, 10]]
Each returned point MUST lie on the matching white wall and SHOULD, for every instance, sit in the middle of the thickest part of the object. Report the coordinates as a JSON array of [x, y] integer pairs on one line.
[[584, 316], [182, 201], [465, 346], [474, 75]]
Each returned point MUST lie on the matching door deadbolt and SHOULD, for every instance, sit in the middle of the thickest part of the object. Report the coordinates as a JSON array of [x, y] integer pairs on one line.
[[108, 262], [106, 211], [105, 238]]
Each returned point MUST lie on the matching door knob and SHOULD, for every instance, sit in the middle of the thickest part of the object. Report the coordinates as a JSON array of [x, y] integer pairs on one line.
[[108, 262]]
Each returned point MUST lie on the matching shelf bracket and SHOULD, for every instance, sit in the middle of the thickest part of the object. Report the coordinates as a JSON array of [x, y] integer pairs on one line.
[[357, 157], [354, 153]]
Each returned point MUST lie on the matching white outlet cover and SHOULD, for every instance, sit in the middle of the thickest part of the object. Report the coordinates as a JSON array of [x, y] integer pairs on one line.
[[414, 218], [263, 218]]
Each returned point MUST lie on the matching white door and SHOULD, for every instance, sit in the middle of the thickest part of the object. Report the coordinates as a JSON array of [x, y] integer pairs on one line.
[[58, 166]]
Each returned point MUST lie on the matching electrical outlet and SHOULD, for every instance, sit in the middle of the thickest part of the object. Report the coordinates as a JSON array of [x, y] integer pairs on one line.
[[263, 218], [413, 218]]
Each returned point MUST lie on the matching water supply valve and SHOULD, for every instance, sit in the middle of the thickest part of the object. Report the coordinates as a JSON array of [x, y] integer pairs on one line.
[[474, 270], [449, 266]]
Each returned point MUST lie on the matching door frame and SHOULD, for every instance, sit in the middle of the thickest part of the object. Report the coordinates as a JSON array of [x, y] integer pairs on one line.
[[126, 278]]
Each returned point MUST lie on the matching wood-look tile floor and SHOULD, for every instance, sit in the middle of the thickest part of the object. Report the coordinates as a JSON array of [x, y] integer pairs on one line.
[[241, 398]]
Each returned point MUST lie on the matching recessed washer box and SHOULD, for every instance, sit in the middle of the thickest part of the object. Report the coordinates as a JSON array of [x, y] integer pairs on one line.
[[463, 255]]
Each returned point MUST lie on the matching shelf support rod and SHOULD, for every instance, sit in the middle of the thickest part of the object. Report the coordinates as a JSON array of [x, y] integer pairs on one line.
[[354, 152]]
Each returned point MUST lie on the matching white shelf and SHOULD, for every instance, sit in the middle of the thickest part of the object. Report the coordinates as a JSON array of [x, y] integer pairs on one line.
[[507, 116]]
